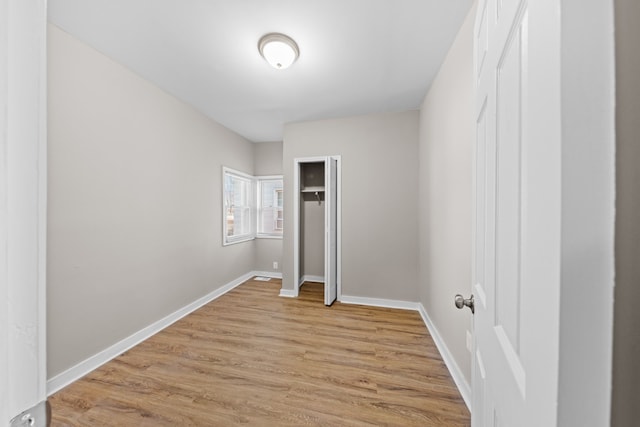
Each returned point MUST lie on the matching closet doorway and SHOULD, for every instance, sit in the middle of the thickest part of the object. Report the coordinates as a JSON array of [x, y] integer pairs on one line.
[[317, 230]]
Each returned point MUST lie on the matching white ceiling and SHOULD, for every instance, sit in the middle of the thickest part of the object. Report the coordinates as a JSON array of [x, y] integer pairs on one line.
[[356, 56]]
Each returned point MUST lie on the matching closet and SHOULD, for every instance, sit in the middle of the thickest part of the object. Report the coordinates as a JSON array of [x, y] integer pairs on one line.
[[316, 223]]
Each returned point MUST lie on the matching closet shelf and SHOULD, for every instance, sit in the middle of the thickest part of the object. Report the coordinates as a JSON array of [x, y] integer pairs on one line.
[[312, 190]]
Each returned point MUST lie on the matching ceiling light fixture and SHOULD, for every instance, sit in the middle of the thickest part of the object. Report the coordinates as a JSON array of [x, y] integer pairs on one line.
[[279, 50]]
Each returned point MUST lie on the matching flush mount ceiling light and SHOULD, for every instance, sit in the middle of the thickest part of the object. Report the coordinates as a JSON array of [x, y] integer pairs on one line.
[[278, 50]]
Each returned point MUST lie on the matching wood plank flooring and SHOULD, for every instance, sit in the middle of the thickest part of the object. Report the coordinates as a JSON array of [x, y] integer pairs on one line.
[[254, 358]]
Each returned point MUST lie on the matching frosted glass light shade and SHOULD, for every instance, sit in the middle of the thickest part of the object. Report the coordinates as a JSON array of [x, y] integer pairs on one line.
[[278, 50]]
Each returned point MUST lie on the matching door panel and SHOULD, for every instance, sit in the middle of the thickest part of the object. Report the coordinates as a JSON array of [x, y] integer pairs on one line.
[[331, 231], [478, 416], [508, 187], [511, 349], [480, 208], [482, 39]]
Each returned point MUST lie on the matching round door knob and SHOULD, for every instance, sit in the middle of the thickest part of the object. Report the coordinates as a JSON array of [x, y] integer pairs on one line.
[[461, 302]]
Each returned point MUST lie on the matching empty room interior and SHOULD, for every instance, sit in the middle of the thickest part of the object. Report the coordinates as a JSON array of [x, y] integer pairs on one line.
[[233, 239]]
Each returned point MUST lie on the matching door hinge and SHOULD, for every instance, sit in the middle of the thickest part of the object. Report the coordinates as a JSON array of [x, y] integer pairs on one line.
[[38, 416]]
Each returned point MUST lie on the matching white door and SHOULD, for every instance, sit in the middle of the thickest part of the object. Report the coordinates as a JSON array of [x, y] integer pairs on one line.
[[516, 277], [22, 211], [331, 230]]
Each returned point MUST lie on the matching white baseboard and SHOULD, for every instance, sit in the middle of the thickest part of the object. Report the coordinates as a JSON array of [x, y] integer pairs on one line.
[[288, 293], [454, 369], [272, 274], [310, 278], [380, 302], [83, 368]]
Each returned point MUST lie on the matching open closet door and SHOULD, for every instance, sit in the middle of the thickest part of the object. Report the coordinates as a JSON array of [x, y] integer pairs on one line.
[[331, 231]]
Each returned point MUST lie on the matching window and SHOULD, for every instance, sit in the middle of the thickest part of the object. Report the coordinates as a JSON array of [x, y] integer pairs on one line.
[[252, 206], [270, 203], [238, 206]]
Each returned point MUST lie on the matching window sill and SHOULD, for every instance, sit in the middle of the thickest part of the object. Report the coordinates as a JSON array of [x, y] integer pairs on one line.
[[268, 236], [239, 240]]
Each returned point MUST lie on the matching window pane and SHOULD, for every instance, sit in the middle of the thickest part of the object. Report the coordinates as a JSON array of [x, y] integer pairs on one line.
[[237, 206], [270, 215], [242, 221]]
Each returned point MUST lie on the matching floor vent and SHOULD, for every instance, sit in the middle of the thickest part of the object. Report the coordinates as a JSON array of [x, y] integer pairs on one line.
[[262, 278]]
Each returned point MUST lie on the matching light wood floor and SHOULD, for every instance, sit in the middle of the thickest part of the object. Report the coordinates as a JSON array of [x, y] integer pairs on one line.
[[254, 358]]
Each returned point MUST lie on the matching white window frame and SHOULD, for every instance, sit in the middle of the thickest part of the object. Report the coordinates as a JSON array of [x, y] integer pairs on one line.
[[230, 240], [259, 181], [255, 207], [281, 211]]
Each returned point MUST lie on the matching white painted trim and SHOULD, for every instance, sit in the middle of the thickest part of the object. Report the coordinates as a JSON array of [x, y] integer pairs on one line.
[[272, 274], [296, 233], [288, 293], [339, 227], [43, 185], [449, 360], [23, 201], [81, 369], [268, 177], [252, 235], [239, 240], [380, 302], [296, 224], [268, 236], [259, 181], [309, 278], [237, 172], [5, 386]]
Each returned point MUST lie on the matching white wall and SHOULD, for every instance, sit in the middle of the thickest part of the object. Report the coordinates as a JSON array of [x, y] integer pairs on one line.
[[267, 158], [379, 199], [446, 145], [268, 161], [312, 246], [134, 203]]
